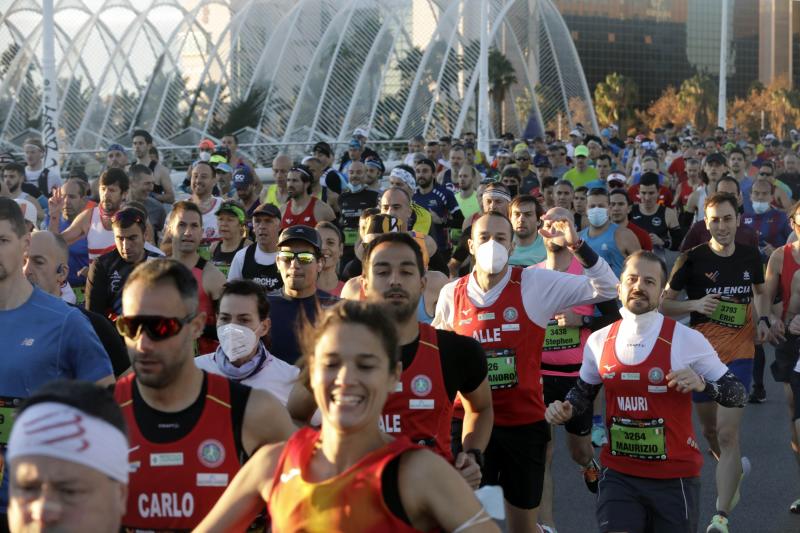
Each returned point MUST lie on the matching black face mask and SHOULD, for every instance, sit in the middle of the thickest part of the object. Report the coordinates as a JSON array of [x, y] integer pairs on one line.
[[513, 189]]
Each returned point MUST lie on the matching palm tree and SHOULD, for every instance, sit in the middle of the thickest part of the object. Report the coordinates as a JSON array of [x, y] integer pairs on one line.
[[614, 99], [699, 94], [501, 77]]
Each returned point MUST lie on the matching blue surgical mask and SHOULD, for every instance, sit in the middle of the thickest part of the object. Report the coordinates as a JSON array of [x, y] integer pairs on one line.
[[760, 207], [597, 216]]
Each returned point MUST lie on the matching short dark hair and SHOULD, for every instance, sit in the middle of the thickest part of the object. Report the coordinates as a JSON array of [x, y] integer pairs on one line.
[[597, 191], [730, 179], [398, 238], [511, 172], [622, 192], [158, 271], [737, 150], [548, 182], [604, 157], [719, 198], [11, 211], [583, 188], [368, 314], [526, 199], [143, 133], [647, 255], [137, 170], [130, 216], [649, 179], [92, 399], [247, 287], [567, 183], [184, 206], [427, 162], [15, 167], [115, 176]]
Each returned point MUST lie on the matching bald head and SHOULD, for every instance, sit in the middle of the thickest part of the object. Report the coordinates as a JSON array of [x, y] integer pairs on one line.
[[280, 169], [47, 263], [396, 202]]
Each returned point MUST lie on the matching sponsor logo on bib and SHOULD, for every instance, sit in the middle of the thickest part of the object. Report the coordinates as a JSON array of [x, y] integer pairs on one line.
[[510, 314], [421, 385], [655, 375]]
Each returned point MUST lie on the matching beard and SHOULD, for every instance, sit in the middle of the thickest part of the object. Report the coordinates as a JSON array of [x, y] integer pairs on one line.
[[401, 311], [638, 303]]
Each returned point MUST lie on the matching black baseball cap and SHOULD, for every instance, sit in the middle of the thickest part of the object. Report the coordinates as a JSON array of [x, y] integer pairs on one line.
[[301, 233], [322, 148], [267, 209], [716, 157]]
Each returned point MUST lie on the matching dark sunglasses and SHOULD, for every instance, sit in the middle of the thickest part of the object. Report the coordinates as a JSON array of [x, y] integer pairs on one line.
[[305, 258], [158, 328], [767, 174]]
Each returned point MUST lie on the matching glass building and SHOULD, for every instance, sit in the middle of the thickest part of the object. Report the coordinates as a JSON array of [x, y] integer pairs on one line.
[[659, 43]]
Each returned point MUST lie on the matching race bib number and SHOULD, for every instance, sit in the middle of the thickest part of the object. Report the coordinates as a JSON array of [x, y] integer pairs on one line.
[[561, 338], [350, 236], [640, 439], [502, 365], [7, 408], [730, 314]]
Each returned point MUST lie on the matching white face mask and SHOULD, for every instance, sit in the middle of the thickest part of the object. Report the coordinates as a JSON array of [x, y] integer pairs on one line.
[[760, 207], [597, 216], [491, 256], [204, 156], [236, 341]]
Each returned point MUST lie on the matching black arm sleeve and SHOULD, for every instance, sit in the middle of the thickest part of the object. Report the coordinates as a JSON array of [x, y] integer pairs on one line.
[[675, 235], [727, 391], [586, 256], [582, 396], [463, 362], [240, 394], [609, 313], [97, 288], [112, 342]]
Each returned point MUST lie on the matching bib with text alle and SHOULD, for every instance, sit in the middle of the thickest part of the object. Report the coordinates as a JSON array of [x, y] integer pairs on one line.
[[640, 439], [560, 338], [502, 365], [350, 236], [730, 314]]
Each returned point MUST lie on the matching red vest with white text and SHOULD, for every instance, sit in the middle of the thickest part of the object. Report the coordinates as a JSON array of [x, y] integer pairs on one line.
[[174, 485], [513, 345], [649, 424], [420, 408]]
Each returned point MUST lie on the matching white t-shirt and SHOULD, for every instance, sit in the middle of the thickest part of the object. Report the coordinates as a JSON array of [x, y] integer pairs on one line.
[[544, 293], [276, 376], [53, 177], [262, 258], [635, 340]]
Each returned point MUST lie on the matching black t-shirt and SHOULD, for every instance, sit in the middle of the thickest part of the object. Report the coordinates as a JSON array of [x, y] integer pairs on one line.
[[351, 205], [110, 339], [792, 179], [161, 427], [107, 276], [655, 223], [700, 272], [463, 361]]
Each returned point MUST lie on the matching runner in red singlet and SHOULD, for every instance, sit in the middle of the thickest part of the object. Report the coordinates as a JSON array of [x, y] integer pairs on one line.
[[647, 364], [349, 475], [303, 208]]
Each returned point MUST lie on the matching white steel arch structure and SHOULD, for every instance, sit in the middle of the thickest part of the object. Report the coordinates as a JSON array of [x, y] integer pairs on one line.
[[283, 71]]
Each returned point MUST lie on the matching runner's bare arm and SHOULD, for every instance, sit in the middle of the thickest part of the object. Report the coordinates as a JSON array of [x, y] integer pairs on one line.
[[429, 486], [78, 229], [213, 280], [324, 212], [478, 417], [162, 175], [244, 498], [266, 421], [772, 278]]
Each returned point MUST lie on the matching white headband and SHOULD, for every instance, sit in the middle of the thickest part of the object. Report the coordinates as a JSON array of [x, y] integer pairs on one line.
[[63, 432], [404, 175]]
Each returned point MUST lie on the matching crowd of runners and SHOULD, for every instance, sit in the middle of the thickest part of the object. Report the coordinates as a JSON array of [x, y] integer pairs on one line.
[[359, 344]]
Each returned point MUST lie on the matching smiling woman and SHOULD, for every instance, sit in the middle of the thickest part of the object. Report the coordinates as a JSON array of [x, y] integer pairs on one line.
[[349, 475]]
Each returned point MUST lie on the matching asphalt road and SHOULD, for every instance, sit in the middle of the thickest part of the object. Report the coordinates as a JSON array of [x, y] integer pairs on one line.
[[767, 492]]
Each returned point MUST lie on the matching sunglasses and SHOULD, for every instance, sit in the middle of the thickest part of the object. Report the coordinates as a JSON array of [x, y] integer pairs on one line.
[[157, 328], [305, 258], [767, 174]]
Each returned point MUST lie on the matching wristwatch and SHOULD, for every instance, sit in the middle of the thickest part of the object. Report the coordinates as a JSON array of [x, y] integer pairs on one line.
[[766, 319], [477, 454]]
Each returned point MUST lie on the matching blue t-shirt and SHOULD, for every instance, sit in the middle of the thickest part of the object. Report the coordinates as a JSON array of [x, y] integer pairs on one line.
[[528, 255], [441, 201], [78, 257], [284, 313], [46, 339]]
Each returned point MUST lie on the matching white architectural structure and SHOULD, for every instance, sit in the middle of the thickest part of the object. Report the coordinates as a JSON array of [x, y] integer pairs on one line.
[[289, 71]]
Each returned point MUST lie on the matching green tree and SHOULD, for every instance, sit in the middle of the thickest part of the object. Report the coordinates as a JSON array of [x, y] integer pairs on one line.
[[501, 77], [614, 99], [698, 95], [243, 113]]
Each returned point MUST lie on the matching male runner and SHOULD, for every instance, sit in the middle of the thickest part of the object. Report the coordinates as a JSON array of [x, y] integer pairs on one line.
[[612, 242], [721, 280], [68, 461], [189, 431], [303, 208], [94, 224], [257, 261], [660, 221], [436, 364], [647, 363], [162, 188], [507, 310]]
